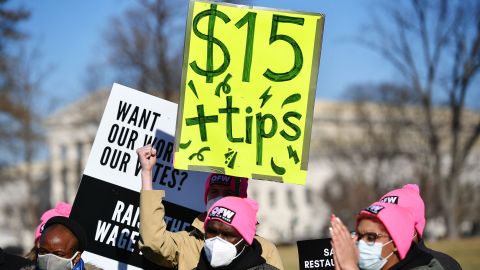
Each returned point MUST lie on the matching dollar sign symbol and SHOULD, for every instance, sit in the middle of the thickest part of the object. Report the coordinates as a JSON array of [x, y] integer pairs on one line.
[[209, 72]]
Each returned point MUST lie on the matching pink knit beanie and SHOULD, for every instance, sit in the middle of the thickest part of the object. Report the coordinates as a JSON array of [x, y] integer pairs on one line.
[[409, 197], [238, 185], [61, 209], [240, 213], [398, 222]]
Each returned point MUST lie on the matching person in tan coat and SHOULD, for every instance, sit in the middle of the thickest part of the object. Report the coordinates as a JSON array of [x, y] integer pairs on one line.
[[181, 250]]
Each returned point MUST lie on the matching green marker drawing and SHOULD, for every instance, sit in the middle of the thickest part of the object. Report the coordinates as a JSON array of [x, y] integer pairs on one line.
[[185, 145], [199, 155], [277, 169], [291, 99]]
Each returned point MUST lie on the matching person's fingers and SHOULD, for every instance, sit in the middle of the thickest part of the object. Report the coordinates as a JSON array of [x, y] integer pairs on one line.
[[338, 242], [337, 227], [334, 230], [153, 151], [339, 220], [336, 262], [342, 229], [341, 226], [144, 149], [147, 148], [334, 237]]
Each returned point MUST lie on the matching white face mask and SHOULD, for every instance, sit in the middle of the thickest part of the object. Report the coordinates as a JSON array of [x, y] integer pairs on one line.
[[220, 252], [54, 262], [211, 202], [370, 256]]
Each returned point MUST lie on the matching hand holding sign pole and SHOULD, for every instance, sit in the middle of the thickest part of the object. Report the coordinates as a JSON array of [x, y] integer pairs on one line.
[[248, 90]]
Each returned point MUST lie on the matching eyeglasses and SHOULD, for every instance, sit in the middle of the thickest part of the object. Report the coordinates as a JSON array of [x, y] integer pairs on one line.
[[371, 237]]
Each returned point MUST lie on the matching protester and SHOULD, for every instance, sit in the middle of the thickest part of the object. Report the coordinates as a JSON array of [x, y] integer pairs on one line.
[[230, 228], [409, 197], [14, 262], [182, 249], [218, 186], [383, 240], [61, 245], [61, 209]]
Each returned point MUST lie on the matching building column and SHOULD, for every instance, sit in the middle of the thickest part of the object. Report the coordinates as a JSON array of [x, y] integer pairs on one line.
[[72, 174], [56, 185]]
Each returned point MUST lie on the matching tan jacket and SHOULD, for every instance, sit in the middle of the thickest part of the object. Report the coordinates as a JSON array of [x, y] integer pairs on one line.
[[181, 249]]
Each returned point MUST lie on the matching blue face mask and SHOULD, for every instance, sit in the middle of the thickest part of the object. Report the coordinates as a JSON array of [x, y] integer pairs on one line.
[[370, 256]]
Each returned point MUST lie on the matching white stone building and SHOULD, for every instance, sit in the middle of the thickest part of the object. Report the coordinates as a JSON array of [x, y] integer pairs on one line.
[[14, 203], [70, 135]]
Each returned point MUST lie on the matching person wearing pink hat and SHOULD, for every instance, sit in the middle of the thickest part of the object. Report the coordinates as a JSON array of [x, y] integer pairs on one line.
[[409, 197], [383, 240], [230, 242], [61, 239], [182, 249], [218, 186], [61, 209]]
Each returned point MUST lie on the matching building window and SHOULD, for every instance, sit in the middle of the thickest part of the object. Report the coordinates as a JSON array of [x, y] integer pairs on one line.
[[63, 152], [309, 196], [79, 147], [255, 195], [65, 184], [273, 198], [291, 199]]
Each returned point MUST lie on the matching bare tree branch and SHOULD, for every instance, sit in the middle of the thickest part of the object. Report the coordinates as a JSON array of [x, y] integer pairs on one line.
[[434, 46]]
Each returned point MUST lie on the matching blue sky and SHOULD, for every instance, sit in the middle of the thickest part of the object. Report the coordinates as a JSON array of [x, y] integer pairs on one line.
[[70, 35]]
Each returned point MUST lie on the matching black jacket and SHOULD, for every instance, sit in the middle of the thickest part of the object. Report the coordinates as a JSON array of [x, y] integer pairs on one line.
[[250, 259], [13, 262], [417, 259], [445, 260]]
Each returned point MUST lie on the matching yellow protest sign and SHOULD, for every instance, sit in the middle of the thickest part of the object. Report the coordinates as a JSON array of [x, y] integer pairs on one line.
[[248, 91]]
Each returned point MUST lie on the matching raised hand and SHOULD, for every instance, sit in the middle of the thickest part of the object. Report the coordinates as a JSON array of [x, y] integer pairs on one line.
[[147, 155]]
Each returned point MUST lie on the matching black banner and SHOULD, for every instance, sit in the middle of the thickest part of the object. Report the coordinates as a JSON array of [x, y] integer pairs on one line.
[[110, 215], [315, 254]]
